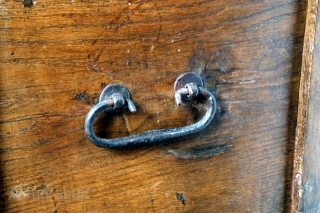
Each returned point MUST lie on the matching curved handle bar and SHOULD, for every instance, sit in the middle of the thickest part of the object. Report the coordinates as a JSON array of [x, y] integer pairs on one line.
[[151, 136]]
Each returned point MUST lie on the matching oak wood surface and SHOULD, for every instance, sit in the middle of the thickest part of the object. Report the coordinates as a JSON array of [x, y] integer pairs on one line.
[[57, 56], [306, 173]]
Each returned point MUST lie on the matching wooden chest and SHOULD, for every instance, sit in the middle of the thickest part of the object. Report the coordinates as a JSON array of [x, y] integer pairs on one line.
[[57, 56]]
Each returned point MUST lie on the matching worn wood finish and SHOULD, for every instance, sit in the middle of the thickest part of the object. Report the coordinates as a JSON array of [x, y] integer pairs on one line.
[[57, 56], [306, 175]]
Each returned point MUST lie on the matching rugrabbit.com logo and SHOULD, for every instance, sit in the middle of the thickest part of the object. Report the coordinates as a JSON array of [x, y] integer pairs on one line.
[[46, 194]]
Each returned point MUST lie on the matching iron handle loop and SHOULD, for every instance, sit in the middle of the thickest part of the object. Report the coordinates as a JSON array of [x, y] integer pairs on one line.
[[121, 100]]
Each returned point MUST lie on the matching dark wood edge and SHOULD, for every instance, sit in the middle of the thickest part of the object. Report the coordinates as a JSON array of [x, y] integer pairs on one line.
[[306, 180]]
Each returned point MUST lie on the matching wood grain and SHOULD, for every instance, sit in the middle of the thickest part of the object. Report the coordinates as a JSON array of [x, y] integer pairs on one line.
[[56, 57], [305, 183]]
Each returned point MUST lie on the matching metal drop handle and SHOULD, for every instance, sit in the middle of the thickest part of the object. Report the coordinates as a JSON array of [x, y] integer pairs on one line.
[[115, 98]]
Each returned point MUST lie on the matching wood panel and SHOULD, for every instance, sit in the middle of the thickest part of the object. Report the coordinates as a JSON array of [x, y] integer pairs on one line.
[[56, 57], [306, 174]]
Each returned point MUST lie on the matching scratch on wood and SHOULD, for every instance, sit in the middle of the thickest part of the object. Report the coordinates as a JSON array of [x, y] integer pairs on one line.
[[137, 8], [122, 24], [156, 184], [93, 64], [125, 10], [128, 63]]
